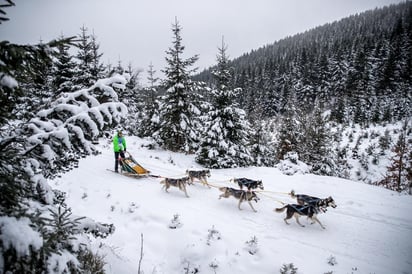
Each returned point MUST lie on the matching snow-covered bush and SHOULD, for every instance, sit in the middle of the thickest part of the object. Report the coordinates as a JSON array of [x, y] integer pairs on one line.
[[288, 269], [175, 222], [213, 235], [291, 165], [252, 245]]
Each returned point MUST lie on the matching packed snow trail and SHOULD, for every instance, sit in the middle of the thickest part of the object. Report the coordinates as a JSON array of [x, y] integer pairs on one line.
[[369, 231]]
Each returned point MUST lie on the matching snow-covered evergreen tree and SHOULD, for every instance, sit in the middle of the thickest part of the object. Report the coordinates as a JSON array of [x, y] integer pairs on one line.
[[149, 121], [261, 145], [399, 173], [64, 71], [289, 133], [227, 132], [39, 149], [97, 68], [315, 148], [84, 58], [178, 109], [89, 67], [151, 76]]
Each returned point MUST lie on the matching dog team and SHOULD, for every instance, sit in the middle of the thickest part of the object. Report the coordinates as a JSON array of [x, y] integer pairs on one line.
[[308, 206]]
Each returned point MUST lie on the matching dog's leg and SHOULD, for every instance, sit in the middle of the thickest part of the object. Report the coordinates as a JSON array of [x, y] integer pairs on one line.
[[314, 218], [252, 206], [240, 201], [288, 216], [204, 181], [297, 219], [184, 190]]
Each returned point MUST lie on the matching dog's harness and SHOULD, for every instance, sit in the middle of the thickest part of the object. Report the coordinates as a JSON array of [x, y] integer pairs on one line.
[[197, 173], [244, 194], [245, 181], [301, 208], [176, 182]]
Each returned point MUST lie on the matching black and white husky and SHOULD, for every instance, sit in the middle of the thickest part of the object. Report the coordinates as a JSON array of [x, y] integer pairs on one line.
[[303, 199], [248, 183], [294, 210], [199, 175], [241, 195], [179, 183]]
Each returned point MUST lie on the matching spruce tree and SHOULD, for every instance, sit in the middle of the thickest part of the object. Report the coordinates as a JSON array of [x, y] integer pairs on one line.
[[64, 69], [261, 146], [149, 119], [399, 172], [85, 55], [289, 132], [97, 68], [178, 110], [315, 148], [227, 132]]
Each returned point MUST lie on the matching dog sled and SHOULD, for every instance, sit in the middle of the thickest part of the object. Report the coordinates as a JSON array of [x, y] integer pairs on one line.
[[131, 168]]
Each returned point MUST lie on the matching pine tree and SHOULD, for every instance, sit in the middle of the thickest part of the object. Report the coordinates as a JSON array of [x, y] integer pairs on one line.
[[85, 55], [63, 71], [289, 132], [149, 118], [261, 146], [227, 132], [178, 110], [399, 173], [151, 76], [97, 68], [316, 147]]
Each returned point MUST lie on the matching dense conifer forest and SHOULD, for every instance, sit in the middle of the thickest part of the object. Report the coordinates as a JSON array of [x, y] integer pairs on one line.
[[359, 68]]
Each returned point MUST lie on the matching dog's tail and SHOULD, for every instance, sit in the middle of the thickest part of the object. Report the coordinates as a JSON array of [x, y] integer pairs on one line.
[[162, 182], [279, 210]]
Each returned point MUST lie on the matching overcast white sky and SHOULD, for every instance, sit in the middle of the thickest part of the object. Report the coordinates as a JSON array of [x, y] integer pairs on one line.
[[139, 31]]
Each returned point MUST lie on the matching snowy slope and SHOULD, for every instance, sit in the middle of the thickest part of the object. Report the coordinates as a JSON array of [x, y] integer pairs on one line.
[[369, 232]]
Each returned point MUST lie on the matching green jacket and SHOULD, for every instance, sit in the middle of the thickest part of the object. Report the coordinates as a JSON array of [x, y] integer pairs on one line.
[[116, 144]]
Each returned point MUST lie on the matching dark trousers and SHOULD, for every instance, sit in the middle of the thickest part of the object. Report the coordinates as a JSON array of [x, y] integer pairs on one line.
[[116, 159]]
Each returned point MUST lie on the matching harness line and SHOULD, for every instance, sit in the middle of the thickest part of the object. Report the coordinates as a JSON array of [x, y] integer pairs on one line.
[[282, 203], [286, 193], [215, 186]]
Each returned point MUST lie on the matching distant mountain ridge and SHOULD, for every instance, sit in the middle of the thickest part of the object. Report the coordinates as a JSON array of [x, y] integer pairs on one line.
[[359, 68]]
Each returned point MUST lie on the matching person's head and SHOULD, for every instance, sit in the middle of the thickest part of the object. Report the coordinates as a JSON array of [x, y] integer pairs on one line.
[[120, 133]]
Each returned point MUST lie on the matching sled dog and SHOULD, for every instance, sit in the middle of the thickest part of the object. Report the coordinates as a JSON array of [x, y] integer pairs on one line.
[[241, 195], [199, 175], [294, 210], [248, 183], [303, 199], [179, 183]]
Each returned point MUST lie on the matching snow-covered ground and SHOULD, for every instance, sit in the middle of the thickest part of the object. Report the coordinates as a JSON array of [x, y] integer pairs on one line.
[[369, 232]]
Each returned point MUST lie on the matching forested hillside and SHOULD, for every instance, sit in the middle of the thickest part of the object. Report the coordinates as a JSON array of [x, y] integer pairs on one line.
[[359, 68]]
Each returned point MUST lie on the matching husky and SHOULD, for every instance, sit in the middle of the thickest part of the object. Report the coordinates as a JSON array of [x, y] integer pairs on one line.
[[241, 195], [249, 183], [199, 175], [322, 204], [294, 210], [180, 183]]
